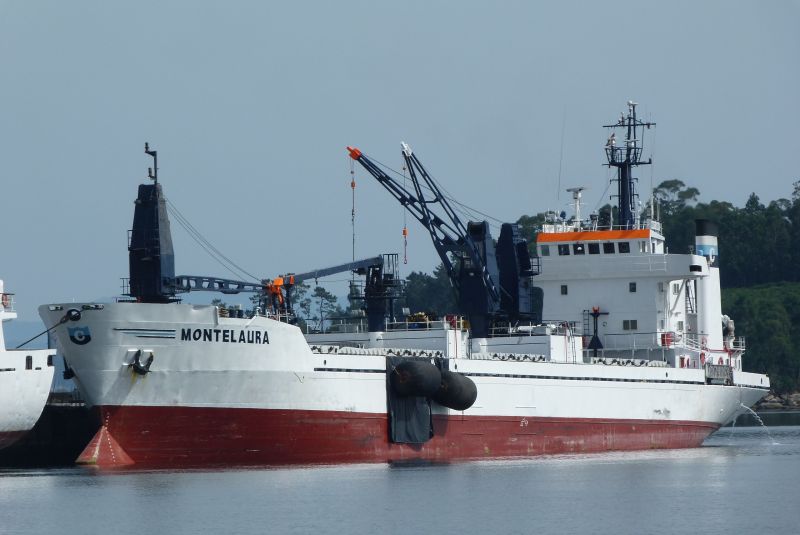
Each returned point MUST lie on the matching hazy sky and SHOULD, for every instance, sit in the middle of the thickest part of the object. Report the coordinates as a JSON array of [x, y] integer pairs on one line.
[[251, 105]]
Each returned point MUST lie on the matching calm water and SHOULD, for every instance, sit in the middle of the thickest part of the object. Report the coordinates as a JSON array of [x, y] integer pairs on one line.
[[742, 481]]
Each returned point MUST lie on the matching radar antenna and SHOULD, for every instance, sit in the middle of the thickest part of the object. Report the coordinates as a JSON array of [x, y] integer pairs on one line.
[[625, 157], [577, 193], [152, 172]]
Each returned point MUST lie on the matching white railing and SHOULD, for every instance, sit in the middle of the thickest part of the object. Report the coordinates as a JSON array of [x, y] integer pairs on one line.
[[655, 225], [638, 340], [450, 322], [586, 226], [693, 342], [545, 328], [697, 342], [738, 344]]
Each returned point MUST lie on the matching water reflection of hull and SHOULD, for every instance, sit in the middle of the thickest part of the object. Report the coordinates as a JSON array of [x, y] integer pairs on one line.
[[59, 436], [9, 437]]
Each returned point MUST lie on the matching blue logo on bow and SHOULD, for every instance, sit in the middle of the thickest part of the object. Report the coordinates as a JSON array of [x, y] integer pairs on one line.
[[79, 335]]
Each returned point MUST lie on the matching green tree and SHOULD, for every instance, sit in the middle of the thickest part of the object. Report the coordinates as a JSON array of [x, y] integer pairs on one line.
[[675, 208], [769, 318], [325, 305], [673, 195], [606, 216], [430, 293], [793, 219], [301, 301], [529, 227]]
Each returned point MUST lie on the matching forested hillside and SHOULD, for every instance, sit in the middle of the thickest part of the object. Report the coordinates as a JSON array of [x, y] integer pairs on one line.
[[768, 316], [759, 243]]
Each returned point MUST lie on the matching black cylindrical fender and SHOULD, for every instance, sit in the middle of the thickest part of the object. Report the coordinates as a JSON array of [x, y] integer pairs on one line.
[[415, 378], [456, 391]]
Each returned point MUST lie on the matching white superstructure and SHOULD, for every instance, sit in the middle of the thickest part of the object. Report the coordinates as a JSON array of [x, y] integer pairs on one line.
[[650, 304]]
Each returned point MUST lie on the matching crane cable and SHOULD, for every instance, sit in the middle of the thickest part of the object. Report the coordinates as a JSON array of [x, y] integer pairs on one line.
[[353, 211], [405, 220], [464, 210], [204, 244]]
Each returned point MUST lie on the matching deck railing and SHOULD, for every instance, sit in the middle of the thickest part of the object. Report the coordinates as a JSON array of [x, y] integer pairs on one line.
[[585, 226], [546, 327]]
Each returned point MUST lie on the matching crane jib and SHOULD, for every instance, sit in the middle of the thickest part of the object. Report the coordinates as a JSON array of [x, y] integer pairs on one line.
[[477, 276]]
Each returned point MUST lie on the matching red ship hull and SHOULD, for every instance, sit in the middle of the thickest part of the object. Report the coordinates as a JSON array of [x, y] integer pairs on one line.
[[192, 437]]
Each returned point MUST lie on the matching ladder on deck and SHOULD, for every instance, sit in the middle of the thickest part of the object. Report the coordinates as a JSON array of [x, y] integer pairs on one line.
[[691, 298]]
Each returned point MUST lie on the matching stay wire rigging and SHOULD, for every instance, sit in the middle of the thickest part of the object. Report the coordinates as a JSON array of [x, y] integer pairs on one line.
[[207, 246]]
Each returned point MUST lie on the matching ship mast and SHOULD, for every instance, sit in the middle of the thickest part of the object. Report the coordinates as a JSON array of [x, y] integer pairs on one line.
[[151, 258], [625, 157]]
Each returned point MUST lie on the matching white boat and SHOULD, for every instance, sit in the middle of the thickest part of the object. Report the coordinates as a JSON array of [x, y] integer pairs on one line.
[[638, 359], [25, 379]]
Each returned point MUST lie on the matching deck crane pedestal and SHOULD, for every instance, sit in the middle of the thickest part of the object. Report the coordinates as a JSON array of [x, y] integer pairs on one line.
[[381, 289]]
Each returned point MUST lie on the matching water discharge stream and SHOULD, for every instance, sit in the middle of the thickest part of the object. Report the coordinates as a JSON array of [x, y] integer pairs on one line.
[[761, 422]]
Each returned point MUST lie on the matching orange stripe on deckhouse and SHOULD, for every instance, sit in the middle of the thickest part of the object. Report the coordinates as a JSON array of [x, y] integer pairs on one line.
[[592, 235]]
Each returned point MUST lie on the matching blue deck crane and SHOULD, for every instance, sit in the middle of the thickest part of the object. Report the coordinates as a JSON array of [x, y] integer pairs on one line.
[[492, 284]]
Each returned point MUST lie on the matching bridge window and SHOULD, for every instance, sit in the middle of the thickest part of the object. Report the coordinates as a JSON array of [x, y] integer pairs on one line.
[[578, 248], [29, 362], [632, 287], [643, 246], [563, 249], [563, 289], [624, 247], [680, 325], [608, 248], [594, 248], [630, 325], [544, 250]]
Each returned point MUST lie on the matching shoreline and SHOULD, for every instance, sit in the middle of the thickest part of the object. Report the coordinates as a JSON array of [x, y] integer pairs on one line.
[[778, 402]]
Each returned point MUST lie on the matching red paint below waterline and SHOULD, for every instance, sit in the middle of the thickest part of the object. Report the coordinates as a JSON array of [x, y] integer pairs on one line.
[[186, 436]]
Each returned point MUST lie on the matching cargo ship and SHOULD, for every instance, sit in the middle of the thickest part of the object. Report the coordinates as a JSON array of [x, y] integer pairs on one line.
[[640, 356], [25, 378]]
